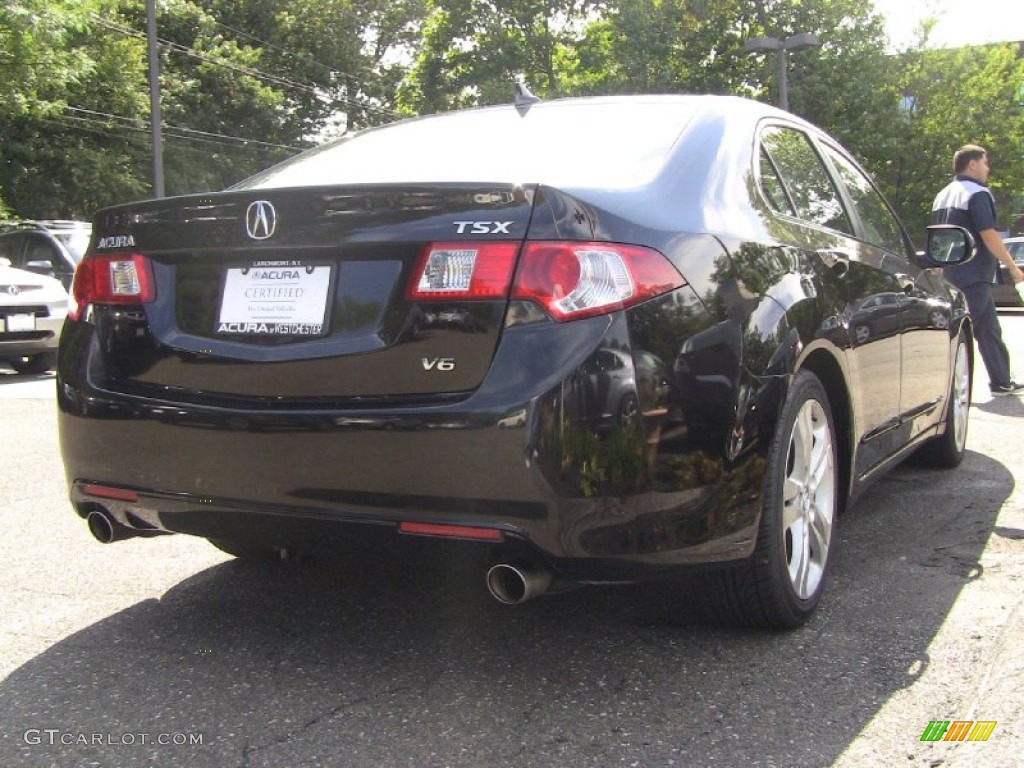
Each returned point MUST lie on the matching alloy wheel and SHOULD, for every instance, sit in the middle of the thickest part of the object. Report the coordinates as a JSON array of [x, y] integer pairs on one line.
[[809, 499]]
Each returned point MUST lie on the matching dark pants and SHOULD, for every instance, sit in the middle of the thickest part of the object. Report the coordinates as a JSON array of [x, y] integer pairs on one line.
[[988, 333]]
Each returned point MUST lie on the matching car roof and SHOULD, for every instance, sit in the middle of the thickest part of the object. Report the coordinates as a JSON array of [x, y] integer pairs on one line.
[[629, 154], [609, 141], [48, 224]]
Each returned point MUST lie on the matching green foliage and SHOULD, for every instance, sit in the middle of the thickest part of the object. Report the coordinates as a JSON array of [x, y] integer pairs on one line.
[[243, 83], [247, 82], [38, 58], [609, 464], [967, 95], [473, 51]]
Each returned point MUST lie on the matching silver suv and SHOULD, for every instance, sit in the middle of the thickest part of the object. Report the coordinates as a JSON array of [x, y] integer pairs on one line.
[[32, 312], [51, 247], [37, 264]]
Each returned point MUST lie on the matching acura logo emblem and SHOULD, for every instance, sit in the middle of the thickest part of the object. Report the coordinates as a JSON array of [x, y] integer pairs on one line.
[[13, 290], [260, 220]]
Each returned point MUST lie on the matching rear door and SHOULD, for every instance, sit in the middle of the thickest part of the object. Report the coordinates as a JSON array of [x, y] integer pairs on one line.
[[854, 282], [923, 312]]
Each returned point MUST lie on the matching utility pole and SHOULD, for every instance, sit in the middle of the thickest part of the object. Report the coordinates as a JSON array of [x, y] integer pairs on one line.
[[154, 100]]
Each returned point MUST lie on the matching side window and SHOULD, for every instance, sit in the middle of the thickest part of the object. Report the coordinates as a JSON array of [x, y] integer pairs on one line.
[[771, 186], [880, 225], [804, 177], [38, 249], [9, 247]]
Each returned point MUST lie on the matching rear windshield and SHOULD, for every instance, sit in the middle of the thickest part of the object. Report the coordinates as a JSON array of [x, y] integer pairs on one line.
[[594, 143]]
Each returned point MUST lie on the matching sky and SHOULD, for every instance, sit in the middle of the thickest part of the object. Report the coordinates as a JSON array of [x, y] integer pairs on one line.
[[961, 22]]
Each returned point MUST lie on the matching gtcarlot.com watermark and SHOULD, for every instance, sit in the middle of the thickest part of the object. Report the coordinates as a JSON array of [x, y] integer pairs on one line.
[[57, 737]]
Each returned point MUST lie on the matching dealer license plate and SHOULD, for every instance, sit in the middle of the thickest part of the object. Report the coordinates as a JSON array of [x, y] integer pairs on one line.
[[275, 298], [16, 323]]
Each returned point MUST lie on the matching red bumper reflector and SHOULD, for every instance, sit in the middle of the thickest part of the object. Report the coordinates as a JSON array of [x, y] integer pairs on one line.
[[106, 492], [452, 531]]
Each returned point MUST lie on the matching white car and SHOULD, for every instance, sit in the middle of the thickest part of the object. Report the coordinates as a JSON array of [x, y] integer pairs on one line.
[[32, 312], [1004, 293]]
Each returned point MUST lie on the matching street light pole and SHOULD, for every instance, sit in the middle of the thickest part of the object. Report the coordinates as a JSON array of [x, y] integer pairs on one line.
[[795, 42], [154, 100], [784, 79]]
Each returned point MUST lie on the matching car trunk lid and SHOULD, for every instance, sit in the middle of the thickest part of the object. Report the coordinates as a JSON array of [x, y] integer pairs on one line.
[[309, 293]]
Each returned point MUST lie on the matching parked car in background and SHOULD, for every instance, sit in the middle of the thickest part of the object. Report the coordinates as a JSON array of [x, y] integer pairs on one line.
[[607, 339], [50, 247], [32, 312], [1004, 292]]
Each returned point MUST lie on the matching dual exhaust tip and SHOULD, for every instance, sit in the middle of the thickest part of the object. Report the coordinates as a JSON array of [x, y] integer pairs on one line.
[[106, 529], [513, 584]]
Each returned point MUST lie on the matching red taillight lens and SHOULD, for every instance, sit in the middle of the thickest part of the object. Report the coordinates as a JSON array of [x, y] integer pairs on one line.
[[573, 280], [460, 271], [123, 278]]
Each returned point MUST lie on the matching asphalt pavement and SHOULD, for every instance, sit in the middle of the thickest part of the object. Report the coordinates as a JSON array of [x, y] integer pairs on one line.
[[166, 652]]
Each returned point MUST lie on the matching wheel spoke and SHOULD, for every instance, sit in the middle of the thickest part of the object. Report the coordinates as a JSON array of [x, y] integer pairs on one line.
[[820, 531], [804, 571], [821, 460], [802, 445], [791, 491]]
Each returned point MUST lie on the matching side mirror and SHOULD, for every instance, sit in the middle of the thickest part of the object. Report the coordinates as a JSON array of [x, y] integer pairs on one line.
[[41, 267], [947, 246], [4, 261]]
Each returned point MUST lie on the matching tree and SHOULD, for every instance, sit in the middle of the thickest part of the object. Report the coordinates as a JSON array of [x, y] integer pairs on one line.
[[36, 55], [40, 60], [244, 83], [473, 51], [955, 97]]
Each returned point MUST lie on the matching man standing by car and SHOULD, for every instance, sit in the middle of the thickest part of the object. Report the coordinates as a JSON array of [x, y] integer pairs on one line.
[[967, 202]]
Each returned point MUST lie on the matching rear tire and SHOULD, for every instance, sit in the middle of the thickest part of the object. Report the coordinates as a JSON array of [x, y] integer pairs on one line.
[[34, 364], [782, 583], [947, 450]]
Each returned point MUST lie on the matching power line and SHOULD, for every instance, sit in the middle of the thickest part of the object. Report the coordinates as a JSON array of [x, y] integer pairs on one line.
[[143, 146], [177, 47], [266, 44], [85, 123], [244, 69], [167, 126]]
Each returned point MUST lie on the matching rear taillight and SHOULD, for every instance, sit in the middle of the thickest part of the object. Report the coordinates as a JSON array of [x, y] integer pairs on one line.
[[572, 280], [123, 278], [460, 271]]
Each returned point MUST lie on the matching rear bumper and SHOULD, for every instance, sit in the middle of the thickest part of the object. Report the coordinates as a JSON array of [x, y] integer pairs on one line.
[[44, 338], [525, 460]]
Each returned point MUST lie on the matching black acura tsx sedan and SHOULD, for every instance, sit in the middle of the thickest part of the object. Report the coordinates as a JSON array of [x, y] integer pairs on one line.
[[606, 339]]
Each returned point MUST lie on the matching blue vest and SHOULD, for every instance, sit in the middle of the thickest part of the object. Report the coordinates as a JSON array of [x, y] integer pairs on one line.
[[968, 204]]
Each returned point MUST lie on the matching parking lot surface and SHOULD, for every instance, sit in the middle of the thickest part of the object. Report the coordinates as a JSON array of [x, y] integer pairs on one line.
[[165, 652]]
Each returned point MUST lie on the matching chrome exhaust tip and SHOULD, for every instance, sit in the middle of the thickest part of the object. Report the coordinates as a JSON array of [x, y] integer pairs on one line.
[[515, 584], [105, 529]]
